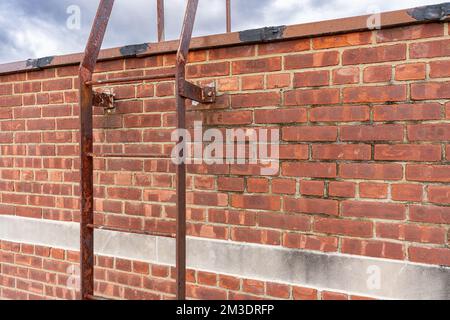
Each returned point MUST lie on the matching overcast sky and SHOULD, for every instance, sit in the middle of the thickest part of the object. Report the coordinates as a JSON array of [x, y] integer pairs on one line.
[[38, 28]]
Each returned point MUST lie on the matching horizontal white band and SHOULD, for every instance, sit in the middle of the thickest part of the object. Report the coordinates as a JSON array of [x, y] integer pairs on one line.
[[364, 276]]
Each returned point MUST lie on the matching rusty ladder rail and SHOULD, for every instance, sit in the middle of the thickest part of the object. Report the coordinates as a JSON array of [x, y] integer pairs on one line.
[[89, 99]]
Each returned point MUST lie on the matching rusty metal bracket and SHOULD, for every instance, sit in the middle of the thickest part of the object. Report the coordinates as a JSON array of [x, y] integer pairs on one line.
[[104, 100], [195, 93]]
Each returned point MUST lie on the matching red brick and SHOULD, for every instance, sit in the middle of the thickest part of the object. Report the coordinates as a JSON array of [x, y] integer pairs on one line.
[[57, 85], [10, 101], [300, 293], [304, 97], [307, 242], [230, 184], [269, 237], [347, 75], [351, 228], [311, 79], [252, 100], [375, 210], [440, 69], [228, 84], [342, 189], [208, 70], [312, 206], [257, 185], [312, 60], [276, 290], [405, 152], [342, 152], [275, 81], [373, 190], [229, 283], [312, 188], [428, 173], [284, 47], [316, 133], [272, 203], [430, 214], [297, 115], [326, 295], [340, 114], [342, 40], [438, 256], [207, 278], [391, 93], [232, 52], [294, 152], [309, 170], [253, 286], [410, 32], [229, 118], [430, 91], [429, 132], [370, 171], [378, 74], [253, 82], [378, 249], [257, 65], [387, 132], [284, 221], [404, 112], [284, 186], [411, 71], [430, 49], [374, 54], [407, 192], [204, 293], [439, 194], [411, 232]]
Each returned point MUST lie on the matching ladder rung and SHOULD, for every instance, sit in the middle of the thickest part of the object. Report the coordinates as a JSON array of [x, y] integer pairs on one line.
[[160, 77], [96, 298], [147, 233], [128, 155]]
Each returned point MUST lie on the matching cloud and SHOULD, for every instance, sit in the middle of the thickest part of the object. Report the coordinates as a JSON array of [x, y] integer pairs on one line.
[[33, 29]]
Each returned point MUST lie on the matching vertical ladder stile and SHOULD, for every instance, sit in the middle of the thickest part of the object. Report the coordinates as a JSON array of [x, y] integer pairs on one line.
[[182, 57], [87, 67]]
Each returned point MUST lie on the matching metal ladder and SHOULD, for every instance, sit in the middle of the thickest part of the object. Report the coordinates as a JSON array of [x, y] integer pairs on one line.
[[89, 99]]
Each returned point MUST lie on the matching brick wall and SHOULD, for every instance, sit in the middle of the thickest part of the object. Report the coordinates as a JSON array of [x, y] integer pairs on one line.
[[365, 157]]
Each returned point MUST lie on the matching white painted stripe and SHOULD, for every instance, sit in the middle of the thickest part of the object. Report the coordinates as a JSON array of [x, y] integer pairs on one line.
[[380, 278]]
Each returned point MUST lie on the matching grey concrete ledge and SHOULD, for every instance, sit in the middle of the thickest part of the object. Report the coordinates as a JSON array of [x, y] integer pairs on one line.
[[378, 278]]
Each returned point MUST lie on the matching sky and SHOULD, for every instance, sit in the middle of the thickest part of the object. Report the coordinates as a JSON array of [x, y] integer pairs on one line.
[[38, 28]]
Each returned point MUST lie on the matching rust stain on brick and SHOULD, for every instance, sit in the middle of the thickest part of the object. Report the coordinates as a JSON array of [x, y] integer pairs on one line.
[[262, 34], [431, 13], [40, 63], [134, 49]]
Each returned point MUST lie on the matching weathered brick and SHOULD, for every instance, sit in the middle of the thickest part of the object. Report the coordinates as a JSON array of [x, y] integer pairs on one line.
[[406, 152], [429, 132], [342, 152], [439, 194], [343, 40], [257, 65], [374, 54], [374, 210], [407, 112], [369, 94], [312, 60], [345, 227], [371, 171], [340, 114]]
